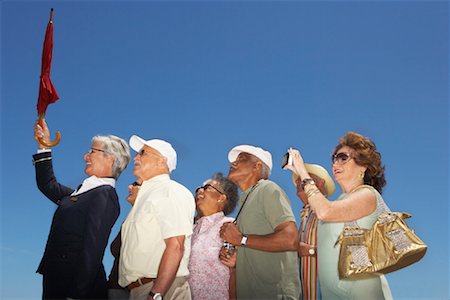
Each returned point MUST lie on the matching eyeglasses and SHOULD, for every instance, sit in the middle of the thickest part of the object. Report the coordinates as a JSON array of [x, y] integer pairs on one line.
[[243, 159], [207, 186], [93, 150], [142, 152], [341, 158]]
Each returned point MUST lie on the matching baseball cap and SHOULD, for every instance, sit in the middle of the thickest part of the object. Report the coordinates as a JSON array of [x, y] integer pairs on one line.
[[260, 153], [163, 147]]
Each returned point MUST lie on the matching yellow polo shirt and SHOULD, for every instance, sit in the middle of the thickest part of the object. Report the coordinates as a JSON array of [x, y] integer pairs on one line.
[[163, 209]]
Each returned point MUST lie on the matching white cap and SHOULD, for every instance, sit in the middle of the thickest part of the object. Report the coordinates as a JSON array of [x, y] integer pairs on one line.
[[260, 153], [163, 147]]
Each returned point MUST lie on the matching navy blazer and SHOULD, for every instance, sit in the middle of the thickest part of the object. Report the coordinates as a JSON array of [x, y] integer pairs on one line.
[[72, 262]]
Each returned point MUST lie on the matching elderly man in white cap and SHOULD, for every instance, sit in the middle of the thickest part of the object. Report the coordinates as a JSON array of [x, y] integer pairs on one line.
[[156, 235], [266, 234], [307, 245]]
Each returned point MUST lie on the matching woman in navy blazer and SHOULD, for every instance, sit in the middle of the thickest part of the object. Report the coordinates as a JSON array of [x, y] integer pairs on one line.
[[72, 263]]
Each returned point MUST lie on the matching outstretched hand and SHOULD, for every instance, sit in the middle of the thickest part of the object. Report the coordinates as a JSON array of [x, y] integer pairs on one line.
[[298, 165], [41, 132]]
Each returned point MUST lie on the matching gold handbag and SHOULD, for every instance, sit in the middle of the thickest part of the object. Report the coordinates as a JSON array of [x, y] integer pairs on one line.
[[388, 246]]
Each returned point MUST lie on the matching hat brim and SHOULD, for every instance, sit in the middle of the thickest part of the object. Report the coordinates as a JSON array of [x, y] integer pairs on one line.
[[258, 152], [320, 172], [136, 143]]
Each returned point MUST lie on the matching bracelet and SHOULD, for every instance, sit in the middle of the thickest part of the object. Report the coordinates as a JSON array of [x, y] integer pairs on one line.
[[311, 192], [307, 181]]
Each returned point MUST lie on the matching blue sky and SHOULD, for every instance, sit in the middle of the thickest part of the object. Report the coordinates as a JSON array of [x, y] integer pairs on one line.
[[209, 75]]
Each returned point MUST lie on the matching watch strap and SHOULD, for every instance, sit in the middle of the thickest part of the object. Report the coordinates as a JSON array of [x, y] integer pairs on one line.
[[244, 240]]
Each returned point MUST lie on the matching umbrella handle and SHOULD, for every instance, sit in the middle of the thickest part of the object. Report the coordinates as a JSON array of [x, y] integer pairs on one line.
[[45, 143]]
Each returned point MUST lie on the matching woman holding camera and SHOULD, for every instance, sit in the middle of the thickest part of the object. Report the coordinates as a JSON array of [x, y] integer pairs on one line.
[[358, 170], [209, 278]]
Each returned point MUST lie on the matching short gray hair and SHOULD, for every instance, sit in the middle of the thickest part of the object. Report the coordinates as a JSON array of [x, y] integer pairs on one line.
[[265, 170], [116, 147]]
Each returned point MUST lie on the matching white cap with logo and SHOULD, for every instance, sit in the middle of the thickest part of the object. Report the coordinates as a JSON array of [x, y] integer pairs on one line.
[[260, 153], [163, 147]]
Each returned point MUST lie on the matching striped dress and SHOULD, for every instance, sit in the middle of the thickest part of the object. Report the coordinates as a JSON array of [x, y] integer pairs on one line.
[[308, 264]]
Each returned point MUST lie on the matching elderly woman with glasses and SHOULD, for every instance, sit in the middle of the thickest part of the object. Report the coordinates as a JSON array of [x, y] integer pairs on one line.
[[209, 278], [72, 262], [358, 170]]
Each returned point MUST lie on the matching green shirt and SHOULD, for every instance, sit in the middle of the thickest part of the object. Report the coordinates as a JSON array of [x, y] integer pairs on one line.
[[261, 274]]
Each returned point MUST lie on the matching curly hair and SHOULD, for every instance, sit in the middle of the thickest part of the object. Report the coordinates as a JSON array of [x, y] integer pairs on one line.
[[367, 155], [231, 191]]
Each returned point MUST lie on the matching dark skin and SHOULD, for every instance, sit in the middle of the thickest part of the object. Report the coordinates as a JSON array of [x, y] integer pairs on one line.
[[246, 172]]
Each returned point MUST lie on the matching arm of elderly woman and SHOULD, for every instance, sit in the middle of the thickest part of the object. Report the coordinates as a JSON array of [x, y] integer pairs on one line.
[[356, 205]]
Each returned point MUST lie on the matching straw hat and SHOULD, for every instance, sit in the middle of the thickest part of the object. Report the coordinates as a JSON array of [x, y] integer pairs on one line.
[[319, 171]]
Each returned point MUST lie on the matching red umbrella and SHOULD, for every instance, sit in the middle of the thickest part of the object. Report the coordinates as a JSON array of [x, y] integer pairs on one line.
[[47, 92]]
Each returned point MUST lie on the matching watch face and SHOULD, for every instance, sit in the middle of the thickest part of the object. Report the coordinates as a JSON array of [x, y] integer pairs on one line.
[[157, 296], [312, 251]]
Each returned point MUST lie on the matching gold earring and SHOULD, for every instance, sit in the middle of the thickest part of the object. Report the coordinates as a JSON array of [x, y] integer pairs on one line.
[[361, 175]]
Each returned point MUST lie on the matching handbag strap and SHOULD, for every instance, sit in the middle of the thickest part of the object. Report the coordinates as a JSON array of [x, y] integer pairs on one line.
[[381, 205]]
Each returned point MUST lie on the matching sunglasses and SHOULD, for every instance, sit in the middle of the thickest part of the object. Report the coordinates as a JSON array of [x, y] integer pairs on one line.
[[341, 158], [136, 184], [143, 152], [207, 186], [93, 150]]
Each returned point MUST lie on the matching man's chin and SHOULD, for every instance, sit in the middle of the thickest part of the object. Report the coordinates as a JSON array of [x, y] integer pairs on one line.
[[232, 177]]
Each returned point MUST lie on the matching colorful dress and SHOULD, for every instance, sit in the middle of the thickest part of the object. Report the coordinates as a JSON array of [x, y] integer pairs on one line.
[[308, 264]]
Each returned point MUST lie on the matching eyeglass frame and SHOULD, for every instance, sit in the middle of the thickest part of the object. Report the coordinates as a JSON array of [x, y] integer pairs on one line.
[[142, 152], [335, 159], [93, 150], [206, 186]]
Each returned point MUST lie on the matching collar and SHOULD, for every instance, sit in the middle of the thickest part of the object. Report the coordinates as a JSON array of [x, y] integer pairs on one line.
[[212, 218], [93, 182], [254, 186], [157, 179]]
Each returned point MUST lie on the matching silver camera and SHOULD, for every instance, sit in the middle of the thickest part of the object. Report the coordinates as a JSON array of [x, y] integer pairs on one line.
[[230, 247]]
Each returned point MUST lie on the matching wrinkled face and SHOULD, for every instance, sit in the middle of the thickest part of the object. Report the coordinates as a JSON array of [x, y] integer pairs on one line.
[[344, 166], [148, 163], [242, 167], [98, 162], [210, 198]]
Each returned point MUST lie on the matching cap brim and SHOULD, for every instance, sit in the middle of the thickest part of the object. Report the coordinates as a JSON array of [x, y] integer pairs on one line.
[[136, 143]]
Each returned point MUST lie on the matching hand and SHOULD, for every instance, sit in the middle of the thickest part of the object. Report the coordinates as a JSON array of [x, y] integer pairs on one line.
[[227, 259], [41, 132], [132, 193], [230, 233], [303, 249], [298, 165]]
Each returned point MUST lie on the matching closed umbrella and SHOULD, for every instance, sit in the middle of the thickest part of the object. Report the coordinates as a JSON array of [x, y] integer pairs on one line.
[[47, 92]]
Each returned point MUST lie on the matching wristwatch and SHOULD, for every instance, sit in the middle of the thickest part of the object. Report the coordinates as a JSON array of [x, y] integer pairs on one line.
[[244, 240], [307, 181], [311, 251], [155, 296]]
